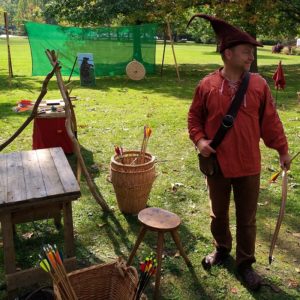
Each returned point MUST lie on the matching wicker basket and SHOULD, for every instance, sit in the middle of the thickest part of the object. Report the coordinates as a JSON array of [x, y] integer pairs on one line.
[[112, 281], [132, 178]]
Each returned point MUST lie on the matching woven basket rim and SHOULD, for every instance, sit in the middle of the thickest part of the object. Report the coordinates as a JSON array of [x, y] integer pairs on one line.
[[118, 268], [107, 264], [137, 152], [135, 172]]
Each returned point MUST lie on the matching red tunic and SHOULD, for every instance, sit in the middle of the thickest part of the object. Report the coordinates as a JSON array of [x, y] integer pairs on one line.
[[239, 153]]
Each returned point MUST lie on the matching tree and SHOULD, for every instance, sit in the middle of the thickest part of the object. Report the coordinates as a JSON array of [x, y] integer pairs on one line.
[[257, 17], [10, 6], [29, 10], [22, 10], [290, 10], [93, 13]]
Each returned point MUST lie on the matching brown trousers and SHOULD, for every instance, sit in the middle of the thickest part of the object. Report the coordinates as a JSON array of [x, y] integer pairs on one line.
[[245, 192]]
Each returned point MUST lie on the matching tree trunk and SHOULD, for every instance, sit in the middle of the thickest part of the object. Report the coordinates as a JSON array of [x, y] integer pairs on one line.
[[251, 29], [254, 67], [137, 47]]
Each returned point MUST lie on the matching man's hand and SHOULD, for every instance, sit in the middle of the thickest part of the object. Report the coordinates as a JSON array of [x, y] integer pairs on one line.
[[285, 161], [204, 148]]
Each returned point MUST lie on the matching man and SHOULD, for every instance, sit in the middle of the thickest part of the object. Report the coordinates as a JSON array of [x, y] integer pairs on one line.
[[238, 154]]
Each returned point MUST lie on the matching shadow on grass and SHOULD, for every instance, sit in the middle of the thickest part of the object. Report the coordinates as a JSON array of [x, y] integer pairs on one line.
[[88, 157], [267, 291], [190, 75], [168, 84], [116, 234], [6, 109], [279, 57], [31, 84]]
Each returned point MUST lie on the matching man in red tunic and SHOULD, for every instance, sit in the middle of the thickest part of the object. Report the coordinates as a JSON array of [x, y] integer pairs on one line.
[[238, 155]]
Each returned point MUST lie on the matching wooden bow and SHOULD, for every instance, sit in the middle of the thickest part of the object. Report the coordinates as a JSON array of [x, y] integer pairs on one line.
[[281, 213]]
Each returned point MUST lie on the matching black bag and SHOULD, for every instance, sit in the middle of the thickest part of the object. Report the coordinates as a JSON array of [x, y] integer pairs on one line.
[[208, 165]]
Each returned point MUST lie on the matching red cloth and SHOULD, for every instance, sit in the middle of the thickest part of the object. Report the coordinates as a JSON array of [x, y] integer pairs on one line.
[[51, 132], [278, 77], [239, 153]]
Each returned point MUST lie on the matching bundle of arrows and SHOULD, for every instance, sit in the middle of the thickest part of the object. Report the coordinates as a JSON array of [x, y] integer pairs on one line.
[[52, 263], [147, 134], [119, 152], [147, 269]]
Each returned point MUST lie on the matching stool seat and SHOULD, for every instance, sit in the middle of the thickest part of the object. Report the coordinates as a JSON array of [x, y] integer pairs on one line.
[[158, 219]]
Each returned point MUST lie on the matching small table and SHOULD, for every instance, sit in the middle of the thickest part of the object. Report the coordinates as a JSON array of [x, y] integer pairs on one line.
[[34, 185]]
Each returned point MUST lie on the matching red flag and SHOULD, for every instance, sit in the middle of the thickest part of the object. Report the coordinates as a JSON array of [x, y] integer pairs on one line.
[[278, 77]]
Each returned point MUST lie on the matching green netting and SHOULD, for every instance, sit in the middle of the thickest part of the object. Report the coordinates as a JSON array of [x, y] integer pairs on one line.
[[112, 47]]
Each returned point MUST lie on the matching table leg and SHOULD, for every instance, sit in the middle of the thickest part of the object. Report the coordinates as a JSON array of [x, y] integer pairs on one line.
[[8, 244], [68, 229], [78, 175]]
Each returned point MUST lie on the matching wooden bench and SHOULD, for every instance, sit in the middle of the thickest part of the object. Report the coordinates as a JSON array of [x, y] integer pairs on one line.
[[34, 185]]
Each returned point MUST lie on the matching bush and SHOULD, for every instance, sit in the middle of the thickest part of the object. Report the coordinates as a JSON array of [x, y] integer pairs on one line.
[[286, 50], [295, 51], [267, 41]]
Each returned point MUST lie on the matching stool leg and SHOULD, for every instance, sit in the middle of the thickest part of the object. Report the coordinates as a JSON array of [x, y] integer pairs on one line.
[[137, 243], [160, 246], [176, 239]]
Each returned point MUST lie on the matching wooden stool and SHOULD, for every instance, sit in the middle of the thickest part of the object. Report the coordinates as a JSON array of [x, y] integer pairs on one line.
[[161, 221]]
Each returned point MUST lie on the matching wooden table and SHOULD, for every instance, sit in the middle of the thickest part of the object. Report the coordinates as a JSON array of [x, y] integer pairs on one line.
[[34, 185]]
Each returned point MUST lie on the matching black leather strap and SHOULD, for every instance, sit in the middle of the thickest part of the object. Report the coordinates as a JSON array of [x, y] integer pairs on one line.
[[229, 118]]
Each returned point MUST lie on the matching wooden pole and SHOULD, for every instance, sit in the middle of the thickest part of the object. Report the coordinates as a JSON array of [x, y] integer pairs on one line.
[[69, 127], [173, 50], [163, 57], [10, 70], [72, 69]]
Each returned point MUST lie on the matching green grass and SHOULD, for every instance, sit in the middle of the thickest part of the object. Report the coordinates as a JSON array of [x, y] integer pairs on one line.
[[114, 112]]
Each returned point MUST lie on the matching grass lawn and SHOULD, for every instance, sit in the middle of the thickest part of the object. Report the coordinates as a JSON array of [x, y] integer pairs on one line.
[[114, 112]]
